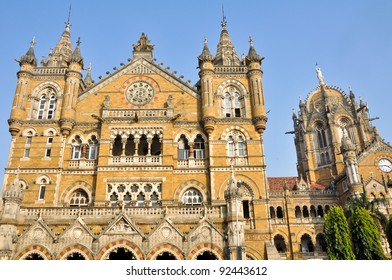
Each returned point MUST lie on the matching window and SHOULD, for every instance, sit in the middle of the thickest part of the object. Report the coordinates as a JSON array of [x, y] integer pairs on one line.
[[78, 198], [47, 104], [232, 103], [192, 197], [50, 140], [198, 147], [183, 147], [245, 208], [236, 147], [77, 148], [321, 143], [41, 194], [41, 107], [48, 152], [26, 152], [93, 148]]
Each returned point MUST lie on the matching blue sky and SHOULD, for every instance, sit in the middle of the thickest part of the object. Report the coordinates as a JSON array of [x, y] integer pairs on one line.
[[350, 40]]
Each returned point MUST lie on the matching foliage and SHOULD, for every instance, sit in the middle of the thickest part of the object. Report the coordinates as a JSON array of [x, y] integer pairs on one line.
[[388, 232], [365, 236], [337, 235]]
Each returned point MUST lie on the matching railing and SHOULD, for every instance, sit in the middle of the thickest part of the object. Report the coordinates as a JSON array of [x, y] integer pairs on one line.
[[131, 113], [191, 162], [190, 212], [300, 193], [135, 160], [50, 71], [231, 69], [82, 164]]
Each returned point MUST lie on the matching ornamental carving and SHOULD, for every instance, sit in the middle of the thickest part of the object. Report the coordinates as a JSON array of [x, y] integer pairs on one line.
[[139, 93]]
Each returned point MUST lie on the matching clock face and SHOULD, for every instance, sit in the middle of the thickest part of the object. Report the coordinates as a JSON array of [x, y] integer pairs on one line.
[[139, 93], [385, 165]]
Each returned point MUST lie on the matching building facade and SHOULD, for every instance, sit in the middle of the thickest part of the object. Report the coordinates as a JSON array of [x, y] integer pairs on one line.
[[141, 165]]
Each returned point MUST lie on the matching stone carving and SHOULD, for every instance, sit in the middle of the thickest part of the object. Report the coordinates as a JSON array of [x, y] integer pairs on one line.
[[106, 103], [121, 226], [143, 44]]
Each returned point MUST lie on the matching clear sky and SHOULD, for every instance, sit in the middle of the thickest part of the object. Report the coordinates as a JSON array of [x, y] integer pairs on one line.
[[350, 40]]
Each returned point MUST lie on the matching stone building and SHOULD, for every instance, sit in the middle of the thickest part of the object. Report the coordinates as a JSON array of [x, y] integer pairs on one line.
[[143, 165]]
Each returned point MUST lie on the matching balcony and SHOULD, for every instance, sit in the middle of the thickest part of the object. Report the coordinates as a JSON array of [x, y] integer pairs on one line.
[[82, 164], [135, 160]]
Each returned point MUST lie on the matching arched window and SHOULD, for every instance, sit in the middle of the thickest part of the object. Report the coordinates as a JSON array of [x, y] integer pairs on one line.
[[130, 146], [93, 147], [280, 243], [312, 211], [279, 212], [320, 211], [47, 104], [305, 212], [230, 147], [321, 244], [298, 213], [241, 147], [143, 146], [321, 144], [77, 148], [117, 146], [306, 244], [192, 197], [198, 147], [42, 189], [41, 107], [232, 103], [183, 147], [156, 146], [78, 198], [272, 212]]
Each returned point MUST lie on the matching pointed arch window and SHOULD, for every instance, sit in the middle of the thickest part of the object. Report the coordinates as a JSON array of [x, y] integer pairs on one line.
[[233, 103], [236, 149], [47, 104], [92, 147], [198, 147], [77, 148], [321, 144], [183, 147]]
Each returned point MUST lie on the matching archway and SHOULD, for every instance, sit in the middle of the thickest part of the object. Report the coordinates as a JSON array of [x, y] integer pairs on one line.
[[121, 253], [207, 255], [166, 256]]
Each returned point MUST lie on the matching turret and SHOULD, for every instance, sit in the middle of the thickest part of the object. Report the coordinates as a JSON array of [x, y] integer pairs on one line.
[[27, 63], [72, 85], [206, 60], [255, 75], [348, 150]]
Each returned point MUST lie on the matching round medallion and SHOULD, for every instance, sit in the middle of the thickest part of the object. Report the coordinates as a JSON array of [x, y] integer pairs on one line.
[[139, 93], [166, 232], [385, 165]]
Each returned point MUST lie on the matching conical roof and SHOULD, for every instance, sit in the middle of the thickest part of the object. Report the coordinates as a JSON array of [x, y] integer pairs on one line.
[[252, 54], [29, 57], [206, 55], [76, 56], [226, 54]]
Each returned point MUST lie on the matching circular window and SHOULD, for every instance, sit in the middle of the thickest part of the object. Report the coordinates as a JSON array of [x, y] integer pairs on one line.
[[139, 93]]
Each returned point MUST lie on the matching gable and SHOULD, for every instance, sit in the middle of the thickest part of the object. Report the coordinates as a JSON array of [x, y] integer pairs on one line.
[[122, 226], [141, 68], [166, 231]]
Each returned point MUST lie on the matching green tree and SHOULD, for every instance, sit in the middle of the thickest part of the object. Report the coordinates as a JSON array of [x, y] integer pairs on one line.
[[365, 236], [337, 235], [388, 232]]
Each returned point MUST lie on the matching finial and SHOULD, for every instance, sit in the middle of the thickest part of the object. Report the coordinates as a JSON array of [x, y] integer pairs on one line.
[[251, 41], [89, 67], [224, 22], [32, 43], [205, 40], [68, 23]]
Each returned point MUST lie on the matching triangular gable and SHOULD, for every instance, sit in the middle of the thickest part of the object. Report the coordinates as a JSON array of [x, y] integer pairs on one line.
[[122, 225], [166, 223], [38, 231], [143, 67], [77, 229], [374, 147], [205, 230]]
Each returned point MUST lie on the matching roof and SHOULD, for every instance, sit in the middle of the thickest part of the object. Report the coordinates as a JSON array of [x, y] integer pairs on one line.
[[278, 183]]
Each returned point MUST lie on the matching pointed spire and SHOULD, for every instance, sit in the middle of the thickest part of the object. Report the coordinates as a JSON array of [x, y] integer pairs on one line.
[[352, 96], [206, 55], [63, 50], [76, 56], [29, 57], [226, 54], [253, 56]]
